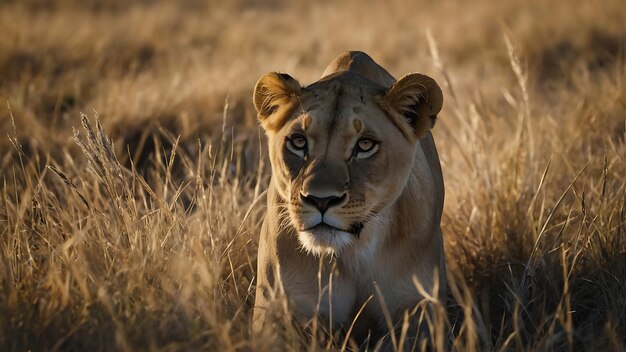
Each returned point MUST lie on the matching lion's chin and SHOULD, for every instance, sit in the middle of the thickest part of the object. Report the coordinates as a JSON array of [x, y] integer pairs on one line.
[[323, 239]]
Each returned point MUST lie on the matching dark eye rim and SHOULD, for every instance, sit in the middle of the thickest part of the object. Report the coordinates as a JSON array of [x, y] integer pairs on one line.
[[293, 136], [361, 150]]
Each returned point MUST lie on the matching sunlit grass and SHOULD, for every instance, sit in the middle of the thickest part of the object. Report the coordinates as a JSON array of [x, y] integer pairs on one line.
[[136, 227]]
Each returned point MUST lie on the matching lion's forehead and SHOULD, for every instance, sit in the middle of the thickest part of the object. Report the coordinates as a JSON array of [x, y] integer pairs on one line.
[[333, 131], [334, 114], [340, 108]]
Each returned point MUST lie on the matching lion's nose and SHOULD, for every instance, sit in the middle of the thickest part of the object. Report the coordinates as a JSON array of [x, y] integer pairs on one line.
[[322, 204]]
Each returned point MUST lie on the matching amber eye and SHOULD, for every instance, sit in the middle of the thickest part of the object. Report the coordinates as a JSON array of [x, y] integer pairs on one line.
[[365, 148], [297, 144], [365, 145]]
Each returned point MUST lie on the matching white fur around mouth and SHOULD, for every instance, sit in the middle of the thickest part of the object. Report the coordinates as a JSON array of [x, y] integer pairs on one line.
[[324, 239]]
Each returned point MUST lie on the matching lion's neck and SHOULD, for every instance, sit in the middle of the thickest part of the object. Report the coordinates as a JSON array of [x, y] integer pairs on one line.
[[362, 254]]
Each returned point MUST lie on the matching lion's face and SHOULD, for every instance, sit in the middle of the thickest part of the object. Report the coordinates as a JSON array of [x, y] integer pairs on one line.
[[340, 154]]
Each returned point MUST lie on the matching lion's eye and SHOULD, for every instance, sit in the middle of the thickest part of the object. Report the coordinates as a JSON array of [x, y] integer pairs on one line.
[[365, 145], [365, 148], [297, 144]]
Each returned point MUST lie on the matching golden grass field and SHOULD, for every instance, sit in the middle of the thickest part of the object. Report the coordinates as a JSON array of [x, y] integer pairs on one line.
[[135, 227]]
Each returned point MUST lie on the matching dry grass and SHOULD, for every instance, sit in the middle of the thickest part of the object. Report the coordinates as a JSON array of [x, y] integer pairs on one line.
[[147, 240]]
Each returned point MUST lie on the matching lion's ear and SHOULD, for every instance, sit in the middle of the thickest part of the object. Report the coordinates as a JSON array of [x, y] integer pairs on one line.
[[418, 99], [273, 95]]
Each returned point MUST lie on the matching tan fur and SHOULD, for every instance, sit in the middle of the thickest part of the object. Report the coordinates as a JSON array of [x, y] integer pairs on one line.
[[384, 225]]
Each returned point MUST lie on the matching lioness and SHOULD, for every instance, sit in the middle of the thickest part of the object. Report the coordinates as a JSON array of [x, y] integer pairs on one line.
[[356, 195]]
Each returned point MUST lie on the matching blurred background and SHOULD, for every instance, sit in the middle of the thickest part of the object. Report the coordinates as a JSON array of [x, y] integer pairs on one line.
[[531, 140], [175, 63]]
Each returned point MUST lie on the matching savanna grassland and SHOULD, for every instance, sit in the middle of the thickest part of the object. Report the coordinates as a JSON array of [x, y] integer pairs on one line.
[[132, 165]]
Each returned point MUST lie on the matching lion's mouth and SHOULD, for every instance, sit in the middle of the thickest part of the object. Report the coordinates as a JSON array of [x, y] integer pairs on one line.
[[355, 229]]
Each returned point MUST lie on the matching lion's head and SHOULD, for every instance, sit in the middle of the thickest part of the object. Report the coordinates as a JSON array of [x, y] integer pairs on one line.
[[342, 148]]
